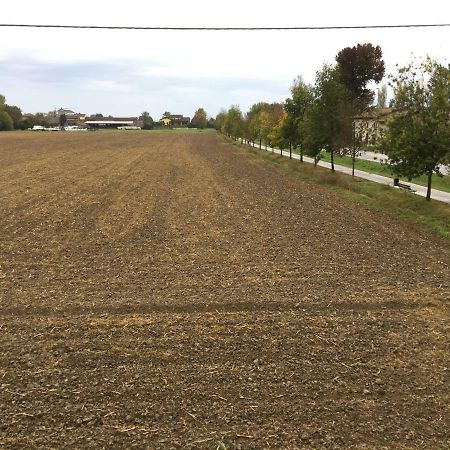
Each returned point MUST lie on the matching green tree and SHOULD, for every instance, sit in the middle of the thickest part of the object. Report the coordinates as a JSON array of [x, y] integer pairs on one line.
[[277, 134], [147, 121], [15, 113], [417, 139], [234, 122], [358, 66], [219, 122], [382, 97], [329, 117], [302, 96], [62, 120], [253, 123], [6, 123], [200, 119], [40, 119], [265, 126], [25, 123]]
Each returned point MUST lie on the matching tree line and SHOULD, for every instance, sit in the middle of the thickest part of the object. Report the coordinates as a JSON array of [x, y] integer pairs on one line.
[[200, 120], [321, 117], [10, 116]]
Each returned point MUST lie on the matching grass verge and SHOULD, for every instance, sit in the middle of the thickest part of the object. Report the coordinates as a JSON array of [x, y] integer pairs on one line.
[[434, 215], [441, 183]]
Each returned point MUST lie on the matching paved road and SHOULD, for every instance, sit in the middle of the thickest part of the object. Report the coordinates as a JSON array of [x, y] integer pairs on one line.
[[373, 156], [381, 157], [419, 190]]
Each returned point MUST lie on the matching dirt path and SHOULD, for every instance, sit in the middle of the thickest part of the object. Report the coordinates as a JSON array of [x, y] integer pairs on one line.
[[167, 299]]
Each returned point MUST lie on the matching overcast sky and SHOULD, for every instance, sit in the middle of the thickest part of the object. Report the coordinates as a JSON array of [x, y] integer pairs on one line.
[[127, 72]]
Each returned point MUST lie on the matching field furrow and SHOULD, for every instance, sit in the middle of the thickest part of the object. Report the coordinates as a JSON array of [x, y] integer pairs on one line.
[[166, 290]]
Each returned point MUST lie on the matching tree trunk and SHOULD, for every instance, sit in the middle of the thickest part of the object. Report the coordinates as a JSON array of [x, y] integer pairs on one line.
[[260, 143], [281, 148], [430, 174], [332, 160], [353, 162], [301, 153], [290, 150]]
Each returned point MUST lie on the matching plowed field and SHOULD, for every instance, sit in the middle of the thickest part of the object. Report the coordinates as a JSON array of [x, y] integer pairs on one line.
[[164, 290]]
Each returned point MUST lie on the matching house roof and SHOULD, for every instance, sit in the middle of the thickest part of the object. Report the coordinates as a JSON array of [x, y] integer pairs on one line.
[[176, 117], [65, 111], [376, 114]]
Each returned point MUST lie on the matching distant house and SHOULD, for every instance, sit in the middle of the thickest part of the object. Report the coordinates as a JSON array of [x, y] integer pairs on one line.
[[165, 121], [174, 120], [111, 122], [65, 111], [72, 118], [371, 125]]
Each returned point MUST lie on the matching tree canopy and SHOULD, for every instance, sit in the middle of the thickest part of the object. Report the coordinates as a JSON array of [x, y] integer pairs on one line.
[[417, 139], [358, 66], [234, 122], [6, 123], [147, 121], [200, 119], [329, 117]]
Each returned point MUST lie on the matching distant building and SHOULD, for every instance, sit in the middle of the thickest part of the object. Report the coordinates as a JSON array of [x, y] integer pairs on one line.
[[371, 125], [65, 111], [174, 120], [111, 122], [72, 118]]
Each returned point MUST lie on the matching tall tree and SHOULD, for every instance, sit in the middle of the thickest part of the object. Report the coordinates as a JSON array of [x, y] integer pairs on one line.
[[15, 113], [200, 119], [358, 66], [147, 121], [302, 96], [265, 126], [417, 139], [220, 121], [234, 122], [277, 134], [40, 119], [329, 117], [62, 120], [6, 123], [382, 96], [252, 122]]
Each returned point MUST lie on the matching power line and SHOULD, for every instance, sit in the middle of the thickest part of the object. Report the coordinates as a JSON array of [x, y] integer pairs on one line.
[[337, 27]]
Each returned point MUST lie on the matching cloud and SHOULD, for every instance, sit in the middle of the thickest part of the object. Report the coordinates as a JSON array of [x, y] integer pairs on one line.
[[127, 86]]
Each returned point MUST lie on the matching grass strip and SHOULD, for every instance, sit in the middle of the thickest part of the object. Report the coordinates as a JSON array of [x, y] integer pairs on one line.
[[442, 183]]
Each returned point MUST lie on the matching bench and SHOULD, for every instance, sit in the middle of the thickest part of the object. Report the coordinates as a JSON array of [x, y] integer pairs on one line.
[[401, 185], [407, 187], [404, 186]]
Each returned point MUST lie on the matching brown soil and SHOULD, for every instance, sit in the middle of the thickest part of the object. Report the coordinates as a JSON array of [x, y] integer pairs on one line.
[[170, 291]]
